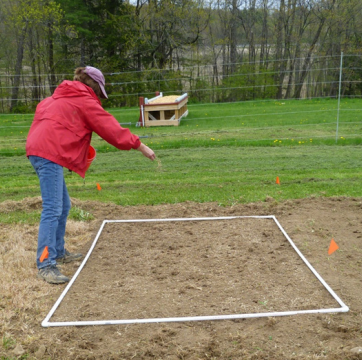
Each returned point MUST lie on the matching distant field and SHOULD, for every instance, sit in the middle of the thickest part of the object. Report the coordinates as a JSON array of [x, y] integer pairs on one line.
[[227, 153]]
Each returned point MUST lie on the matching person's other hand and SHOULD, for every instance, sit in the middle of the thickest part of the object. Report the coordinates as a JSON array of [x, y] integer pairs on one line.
[[146, 151]]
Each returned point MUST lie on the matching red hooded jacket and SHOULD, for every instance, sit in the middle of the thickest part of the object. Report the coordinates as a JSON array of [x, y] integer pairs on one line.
[[63, 124]]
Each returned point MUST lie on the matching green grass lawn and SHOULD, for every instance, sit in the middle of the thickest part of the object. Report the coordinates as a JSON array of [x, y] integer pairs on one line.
[[254, 123], [225, 153]]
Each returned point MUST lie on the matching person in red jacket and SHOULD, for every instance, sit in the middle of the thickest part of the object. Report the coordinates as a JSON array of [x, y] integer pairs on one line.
[[59, 137]]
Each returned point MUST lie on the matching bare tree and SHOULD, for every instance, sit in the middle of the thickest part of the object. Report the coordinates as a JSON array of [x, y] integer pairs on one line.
[[321, 12], [247, 17], [264, 38], [18, 66]]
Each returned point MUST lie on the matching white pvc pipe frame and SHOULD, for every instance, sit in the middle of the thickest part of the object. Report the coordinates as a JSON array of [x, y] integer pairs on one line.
[[47, 323], [153, 99]]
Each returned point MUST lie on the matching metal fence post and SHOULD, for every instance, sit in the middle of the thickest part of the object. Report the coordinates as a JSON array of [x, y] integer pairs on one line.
[[339, 94]]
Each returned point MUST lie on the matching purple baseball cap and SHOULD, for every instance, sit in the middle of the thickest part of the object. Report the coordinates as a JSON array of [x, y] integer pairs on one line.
[[97, 76]]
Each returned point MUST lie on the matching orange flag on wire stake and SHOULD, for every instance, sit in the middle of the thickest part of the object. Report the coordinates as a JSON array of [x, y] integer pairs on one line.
[[332, 247], [277, 181], [99, 187], [44, 255]]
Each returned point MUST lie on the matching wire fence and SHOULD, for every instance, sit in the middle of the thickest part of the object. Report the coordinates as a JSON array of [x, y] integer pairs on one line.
[[255, 88]]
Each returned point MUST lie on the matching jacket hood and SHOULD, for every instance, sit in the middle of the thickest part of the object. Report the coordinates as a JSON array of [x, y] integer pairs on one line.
[[73, 89]]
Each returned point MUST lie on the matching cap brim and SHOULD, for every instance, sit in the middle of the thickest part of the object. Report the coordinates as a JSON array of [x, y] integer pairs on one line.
[[104, 94]]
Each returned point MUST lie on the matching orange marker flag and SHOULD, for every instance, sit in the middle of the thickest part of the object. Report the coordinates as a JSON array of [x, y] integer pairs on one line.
[[332, 247], [278, 181], [99, 187], [44, 255]]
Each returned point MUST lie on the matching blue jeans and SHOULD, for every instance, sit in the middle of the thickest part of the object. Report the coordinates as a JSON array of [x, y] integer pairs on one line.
[[56, 206]]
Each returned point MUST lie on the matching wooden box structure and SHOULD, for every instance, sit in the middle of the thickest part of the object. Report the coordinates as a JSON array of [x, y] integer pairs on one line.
[[163, 110]]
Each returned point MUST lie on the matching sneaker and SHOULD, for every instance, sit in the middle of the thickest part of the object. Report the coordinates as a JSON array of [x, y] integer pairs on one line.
[[68, 257], [52, 275]]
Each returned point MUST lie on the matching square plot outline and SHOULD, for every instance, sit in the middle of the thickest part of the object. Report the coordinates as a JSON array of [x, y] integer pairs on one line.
[[46, 322]]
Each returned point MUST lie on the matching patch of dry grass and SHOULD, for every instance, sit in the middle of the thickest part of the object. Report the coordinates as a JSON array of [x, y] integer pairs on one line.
[[25, 300], [22, 295], [31, 203]]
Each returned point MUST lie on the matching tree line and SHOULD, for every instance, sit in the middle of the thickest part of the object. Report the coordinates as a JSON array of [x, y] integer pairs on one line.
[[218, 50]]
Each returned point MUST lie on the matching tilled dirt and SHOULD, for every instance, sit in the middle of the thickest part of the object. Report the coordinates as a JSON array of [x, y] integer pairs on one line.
[[145, 270]]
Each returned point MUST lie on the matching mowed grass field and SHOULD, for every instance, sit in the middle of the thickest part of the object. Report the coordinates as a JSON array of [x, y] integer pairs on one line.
[[225, 153]]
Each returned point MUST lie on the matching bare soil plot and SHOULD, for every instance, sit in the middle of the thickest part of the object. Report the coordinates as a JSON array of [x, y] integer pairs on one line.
[[198, 268]]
